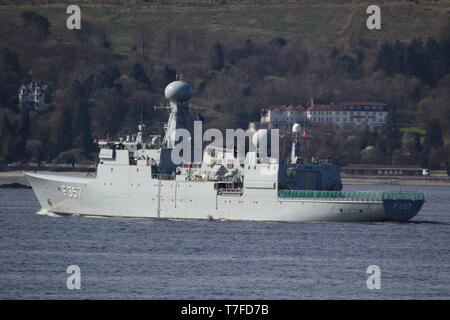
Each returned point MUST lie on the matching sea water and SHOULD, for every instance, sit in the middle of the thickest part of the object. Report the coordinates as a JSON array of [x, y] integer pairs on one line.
[[121, 258]]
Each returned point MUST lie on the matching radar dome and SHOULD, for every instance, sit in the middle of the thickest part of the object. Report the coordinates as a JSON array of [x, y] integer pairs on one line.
[[261, 137], [296, 128], [156, 140], [178, 91]]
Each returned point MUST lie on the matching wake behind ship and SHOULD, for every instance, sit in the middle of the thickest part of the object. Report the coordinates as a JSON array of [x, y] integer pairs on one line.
[[137, 177]]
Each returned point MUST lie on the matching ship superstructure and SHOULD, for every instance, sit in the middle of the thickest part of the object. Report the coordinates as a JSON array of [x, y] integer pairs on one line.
[[137, 177]]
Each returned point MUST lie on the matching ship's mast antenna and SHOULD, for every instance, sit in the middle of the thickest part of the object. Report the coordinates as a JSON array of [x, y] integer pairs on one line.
[[178, 93]]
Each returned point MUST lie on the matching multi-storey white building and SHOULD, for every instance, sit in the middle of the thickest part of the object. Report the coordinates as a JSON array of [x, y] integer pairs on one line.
[[282, 117], [371, 114], [32, 96], [354, 114]]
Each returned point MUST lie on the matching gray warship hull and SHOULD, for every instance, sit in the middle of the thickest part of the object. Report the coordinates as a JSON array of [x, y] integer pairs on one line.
[[131, 195]]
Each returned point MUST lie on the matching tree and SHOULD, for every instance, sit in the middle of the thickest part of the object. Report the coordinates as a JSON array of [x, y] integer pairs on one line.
[[11, 61], [385, 58], [142, 37], [409, 152], [37, 22], [217, 57], [82, 128], [433, 137], [367, 138], [334, 52], [108, 112], [389, 138], [64, 132], [107, 77], [139, 74], [82, 136], [235, 55], [371, 155], [278, 42], [248, 47], [350, 67], [33, 149], [22, 132], [78, 92], [170, 74], [411, 143], [418, 62], [424, 156], [7, 141]]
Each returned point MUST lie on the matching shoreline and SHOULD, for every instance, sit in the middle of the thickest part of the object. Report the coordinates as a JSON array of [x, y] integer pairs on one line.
[[398, 181], [361, 180]]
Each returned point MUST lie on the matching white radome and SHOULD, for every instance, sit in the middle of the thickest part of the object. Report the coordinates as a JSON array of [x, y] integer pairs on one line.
[[178, 91], [156, 140], [261, 137], [296, 128]]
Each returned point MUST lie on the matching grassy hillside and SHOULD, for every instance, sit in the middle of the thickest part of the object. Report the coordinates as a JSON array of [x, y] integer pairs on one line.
[[315, 23]]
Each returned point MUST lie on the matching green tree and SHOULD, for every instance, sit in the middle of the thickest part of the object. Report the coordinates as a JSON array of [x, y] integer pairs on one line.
[[107, 77], [350, 67], [424, 156], [82, 136], [433, 137], [139, 74], [37, 22], [278, 42], [11, 61], [34, 149], [64, 132], [22, 132], [82, 128], [170, 74], [78, 92], [217, 57], [367, 138], [389, 137], [7, 141]]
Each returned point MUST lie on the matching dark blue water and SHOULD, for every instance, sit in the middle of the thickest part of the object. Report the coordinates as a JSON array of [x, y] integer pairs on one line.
[[150, 259]]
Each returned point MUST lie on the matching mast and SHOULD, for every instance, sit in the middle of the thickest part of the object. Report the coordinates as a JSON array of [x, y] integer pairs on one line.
[[178, 93], [295, 149]]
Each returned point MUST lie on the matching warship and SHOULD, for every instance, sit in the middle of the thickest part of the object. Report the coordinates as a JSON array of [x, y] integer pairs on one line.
[[137, 177]]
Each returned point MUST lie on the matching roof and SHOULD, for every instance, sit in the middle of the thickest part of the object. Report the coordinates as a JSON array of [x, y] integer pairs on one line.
[[382, 166], [363, 103], [326, 107], [287, 108]]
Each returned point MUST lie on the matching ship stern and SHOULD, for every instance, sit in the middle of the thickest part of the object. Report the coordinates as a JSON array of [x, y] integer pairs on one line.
[[402, 210]]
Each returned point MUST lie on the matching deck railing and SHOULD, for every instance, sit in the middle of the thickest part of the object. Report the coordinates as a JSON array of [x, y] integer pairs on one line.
[[350, 195]]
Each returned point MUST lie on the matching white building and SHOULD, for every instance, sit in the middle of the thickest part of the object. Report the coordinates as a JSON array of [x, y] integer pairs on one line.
[[359, 114], [353, 114], [282, 117], [32, 96]]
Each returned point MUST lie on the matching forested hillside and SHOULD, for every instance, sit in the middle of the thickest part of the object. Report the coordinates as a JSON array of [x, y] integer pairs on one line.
[[239, 56]]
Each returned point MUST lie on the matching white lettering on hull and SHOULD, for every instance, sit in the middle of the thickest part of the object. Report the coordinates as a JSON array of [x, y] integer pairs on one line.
[[71, 192]]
